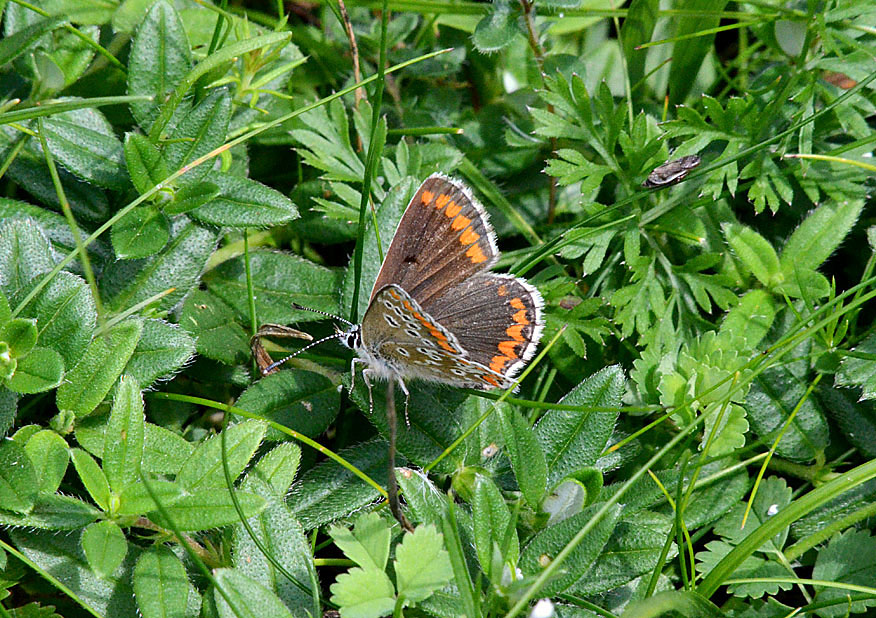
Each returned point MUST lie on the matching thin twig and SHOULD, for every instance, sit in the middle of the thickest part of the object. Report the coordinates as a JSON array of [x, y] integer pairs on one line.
[[354, 50], [538, 52], [391, 484]]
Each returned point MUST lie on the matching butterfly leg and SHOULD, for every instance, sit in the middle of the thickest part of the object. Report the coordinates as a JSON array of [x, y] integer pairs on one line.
[[366, 375], [407, 399]]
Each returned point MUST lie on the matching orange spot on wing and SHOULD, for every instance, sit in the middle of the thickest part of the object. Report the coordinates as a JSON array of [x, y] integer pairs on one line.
[[410, 307], [515, 332], [490, 379], [468, 237], [460, 222], [517, 303], [442, 200], [394, 294], [446, 346], [520, 317], [507, 348], [503, 290], [475, 254], [427, 197], [498, 363], [452, 209]]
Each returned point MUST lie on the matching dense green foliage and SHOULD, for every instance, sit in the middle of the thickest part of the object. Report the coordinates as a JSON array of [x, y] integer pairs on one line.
[[697, 436]]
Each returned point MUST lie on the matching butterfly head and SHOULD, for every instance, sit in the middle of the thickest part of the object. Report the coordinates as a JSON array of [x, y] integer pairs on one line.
[[350, 338]]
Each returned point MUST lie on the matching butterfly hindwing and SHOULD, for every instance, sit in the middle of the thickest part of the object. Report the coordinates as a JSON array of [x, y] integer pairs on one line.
[[403, 338], [495, 318], [443, 238]]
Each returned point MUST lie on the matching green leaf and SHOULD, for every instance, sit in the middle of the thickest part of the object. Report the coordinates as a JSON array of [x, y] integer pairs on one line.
[[678, 602], [127, 17], [274, 472], [746, 324], [8, 409], [425, 502], [213, 325], [849, 558], [202, 130], [249, 598], [178, 267], [191, 196], [48, 453], [244, 203], [159, 59], [92, 477], [284, 537], [61, 555], [691, 45], [363, 593], [135, 499], [161, 585], [527, 457], [279, 279], [545, 545], [773, 495], [100, 366], [491, 523], [85, 143], [755, 252], [123, 446], [856, 419], [53, 512], [146, 166], [208, 508], [16, 43], [21, 336], [633, 549], [301, 400], [636, 30], [422, 565], [859, 368], [497, 28], [25, 252], [367, 544], [574, 440], [819, 235], [774, 395], [105, 546], [163, 349], [19, 485], [65, 315], [142, 232], [328, 492], [39, 371], [203, 468]]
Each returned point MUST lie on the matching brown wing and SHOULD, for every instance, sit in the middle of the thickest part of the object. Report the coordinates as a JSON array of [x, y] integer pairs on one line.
[[443, 238], [495, 318]]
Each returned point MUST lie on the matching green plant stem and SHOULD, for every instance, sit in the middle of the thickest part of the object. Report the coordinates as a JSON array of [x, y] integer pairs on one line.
[[71, 221], [50, 107]]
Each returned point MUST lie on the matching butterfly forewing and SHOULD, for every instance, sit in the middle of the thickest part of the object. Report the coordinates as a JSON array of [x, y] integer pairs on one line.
[[443, 238]]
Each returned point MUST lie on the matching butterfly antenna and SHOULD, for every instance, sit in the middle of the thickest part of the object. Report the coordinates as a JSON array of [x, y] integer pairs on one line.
[[325, 313], [338, 334]]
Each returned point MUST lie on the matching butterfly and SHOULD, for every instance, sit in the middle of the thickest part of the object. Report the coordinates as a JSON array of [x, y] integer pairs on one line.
[[436, 312]]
